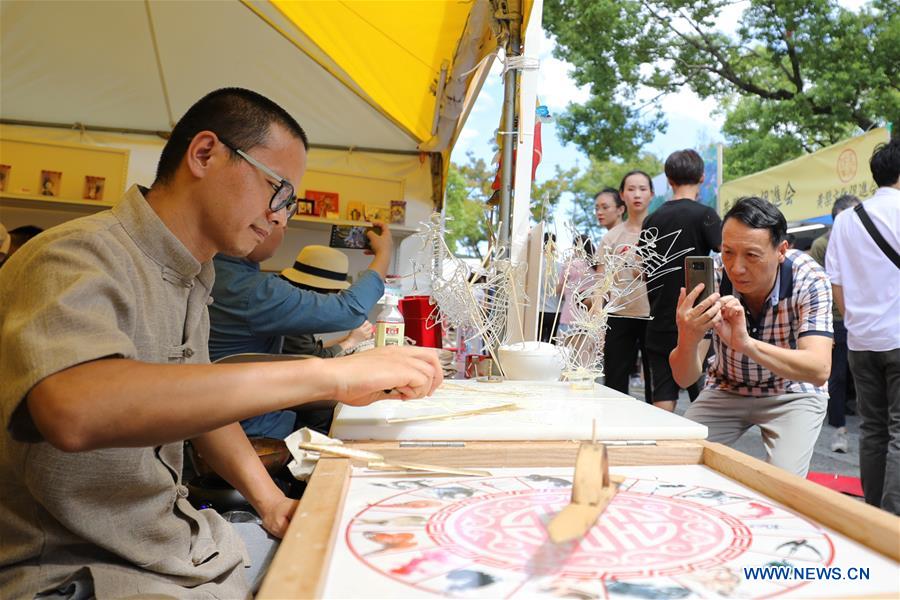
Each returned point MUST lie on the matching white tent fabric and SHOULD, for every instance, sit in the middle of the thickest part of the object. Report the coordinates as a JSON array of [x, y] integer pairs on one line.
[[95, 63]]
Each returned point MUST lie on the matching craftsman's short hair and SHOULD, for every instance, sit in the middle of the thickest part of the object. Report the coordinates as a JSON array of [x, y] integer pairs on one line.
[[241, 117], [757, 213], [684, 167], [842, 203], [885, 163]]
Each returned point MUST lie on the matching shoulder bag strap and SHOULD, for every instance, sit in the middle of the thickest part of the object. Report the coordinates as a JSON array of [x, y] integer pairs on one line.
[[876, 235]]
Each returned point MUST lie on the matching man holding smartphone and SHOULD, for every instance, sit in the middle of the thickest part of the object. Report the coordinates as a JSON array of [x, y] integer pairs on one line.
[[770, 325]]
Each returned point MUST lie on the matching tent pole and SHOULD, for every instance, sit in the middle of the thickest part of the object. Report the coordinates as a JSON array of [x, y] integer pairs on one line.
[[509, 124]]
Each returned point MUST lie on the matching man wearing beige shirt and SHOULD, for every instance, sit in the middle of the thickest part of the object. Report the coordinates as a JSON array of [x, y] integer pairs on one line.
[[98, 316]]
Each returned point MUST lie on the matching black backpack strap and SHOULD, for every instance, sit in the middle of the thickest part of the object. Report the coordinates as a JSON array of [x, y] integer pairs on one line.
[[876, 235]]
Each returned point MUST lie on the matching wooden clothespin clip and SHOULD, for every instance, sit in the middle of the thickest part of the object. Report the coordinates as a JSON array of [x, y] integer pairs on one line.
[[592, 491]]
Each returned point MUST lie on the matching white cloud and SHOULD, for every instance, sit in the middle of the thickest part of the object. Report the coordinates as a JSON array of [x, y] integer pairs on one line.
[[556, 88], [686, 103], [485, 101]]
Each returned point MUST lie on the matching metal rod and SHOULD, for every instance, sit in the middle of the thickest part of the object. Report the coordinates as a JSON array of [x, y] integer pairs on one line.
[[509, 142], [165, 135]]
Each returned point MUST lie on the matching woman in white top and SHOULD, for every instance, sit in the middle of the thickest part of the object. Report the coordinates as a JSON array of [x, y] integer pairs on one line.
[[628, 325]]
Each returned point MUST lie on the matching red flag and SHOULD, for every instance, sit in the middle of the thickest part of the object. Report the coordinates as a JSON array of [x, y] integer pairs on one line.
[[536, 154]]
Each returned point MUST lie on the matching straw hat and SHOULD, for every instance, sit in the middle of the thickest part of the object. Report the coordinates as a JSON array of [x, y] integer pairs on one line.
[[5, 240], [320, 267]]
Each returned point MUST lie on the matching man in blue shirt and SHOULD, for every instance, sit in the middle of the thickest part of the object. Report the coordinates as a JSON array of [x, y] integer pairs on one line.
[[252, 311]]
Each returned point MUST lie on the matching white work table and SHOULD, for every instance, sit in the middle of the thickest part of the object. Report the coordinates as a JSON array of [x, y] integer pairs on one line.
[[547, 411]]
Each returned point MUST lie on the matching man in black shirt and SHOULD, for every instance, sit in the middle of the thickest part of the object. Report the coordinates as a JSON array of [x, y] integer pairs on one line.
[[701, 229]]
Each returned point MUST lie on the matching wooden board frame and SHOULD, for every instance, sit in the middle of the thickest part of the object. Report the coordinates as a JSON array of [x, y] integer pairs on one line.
[[299, 567]]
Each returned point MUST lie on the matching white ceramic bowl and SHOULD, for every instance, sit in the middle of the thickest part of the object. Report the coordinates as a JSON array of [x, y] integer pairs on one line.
[[536, 361]]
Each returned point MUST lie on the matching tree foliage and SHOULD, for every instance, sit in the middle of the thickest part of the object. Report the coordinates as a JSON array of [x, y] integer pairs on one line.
[[545, 196], [794, 76], [469, 188], [465, 207], [468, 191]]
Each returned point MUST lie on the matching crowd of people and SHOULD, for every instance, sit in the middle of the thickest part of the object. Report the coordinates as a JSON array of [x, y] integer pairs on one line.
[[105, 354], [775, 343]]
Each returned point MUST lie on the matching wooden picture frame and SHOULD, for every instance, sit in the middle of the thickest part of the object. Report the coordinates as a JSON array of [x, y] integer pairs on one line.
[[50, 184], [93, 187], [4, 176], [326, 204], [398, 212], [299, 568], [356, 211], [306, 207], [378, 213]]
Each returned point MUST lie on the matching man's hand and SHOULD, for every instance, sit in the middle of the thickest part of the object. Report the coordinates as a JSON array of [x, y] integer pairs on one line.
[[732, 328], [358, 336], [276, 516], [380, 242], [694, 321], [382, 246], [403, 372]]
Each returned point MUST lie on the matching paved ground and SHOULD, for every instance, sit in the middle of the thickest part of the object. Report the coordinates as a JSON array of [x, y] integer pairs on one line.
[[823, 460]]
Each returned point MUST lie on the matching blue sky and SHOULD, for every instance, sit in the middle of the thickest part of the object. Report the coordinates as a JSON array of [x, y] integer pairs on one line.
[[684, 128], [691, 121]]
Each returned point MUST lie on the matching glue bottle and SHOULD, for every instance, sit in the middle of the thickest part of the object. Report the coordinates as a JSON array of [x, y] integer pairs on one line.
[[389, 326]]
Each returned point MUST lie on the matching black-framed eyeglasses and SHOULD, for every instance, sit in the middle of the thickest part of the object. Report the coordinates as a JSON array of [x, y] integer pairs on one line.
[[283, 196]]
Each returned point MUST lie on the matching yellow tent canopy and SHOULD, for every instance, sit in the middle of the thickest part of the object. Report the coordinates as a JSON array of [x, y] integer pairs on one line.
[[380, 76], [806, 187]]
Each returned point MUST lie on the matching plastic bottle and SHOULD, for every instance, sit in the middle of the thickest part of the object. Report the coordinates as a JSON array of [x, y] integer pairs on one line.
[[389, 326]]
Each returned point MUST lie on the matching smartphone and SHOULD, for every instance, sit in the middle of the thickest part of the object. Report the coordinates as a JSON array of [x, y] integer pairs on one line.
[[350, 236], [699, 269]]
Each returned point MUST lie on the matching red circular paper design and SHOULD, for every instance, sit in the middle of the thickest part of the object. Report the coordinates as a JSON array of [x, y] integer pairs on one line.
[[638, 536]]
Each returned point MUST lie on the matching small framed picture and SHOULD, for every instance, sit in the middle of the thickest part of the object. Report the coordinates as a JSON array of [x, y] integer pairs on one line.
[[93, 187], [4, 176], [398, 212], [305, 206], [356, 211], [326, 203], [378, 213], [50, 182]]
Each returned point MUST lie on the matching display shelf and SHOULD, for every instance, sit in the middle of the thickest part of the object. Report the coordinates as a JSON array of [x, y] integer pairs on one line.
[[51, 202], [16, 200], [303, 221]]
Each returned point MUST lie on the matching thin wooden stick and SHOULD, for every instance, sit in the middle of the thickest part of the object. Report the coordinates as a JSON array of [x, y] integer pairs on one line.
[[562, 293], [463, 388], [515, 301], [407, 466], [453, 415], [342, 451]]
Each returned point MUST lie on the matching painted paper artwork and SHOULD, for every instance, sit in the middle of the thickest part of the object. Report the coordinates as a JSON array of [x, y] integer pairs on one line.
[[356, 211], [327, 204], [398, 212], [93, 187], [378, 213], [50, 183], [670, 532]]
